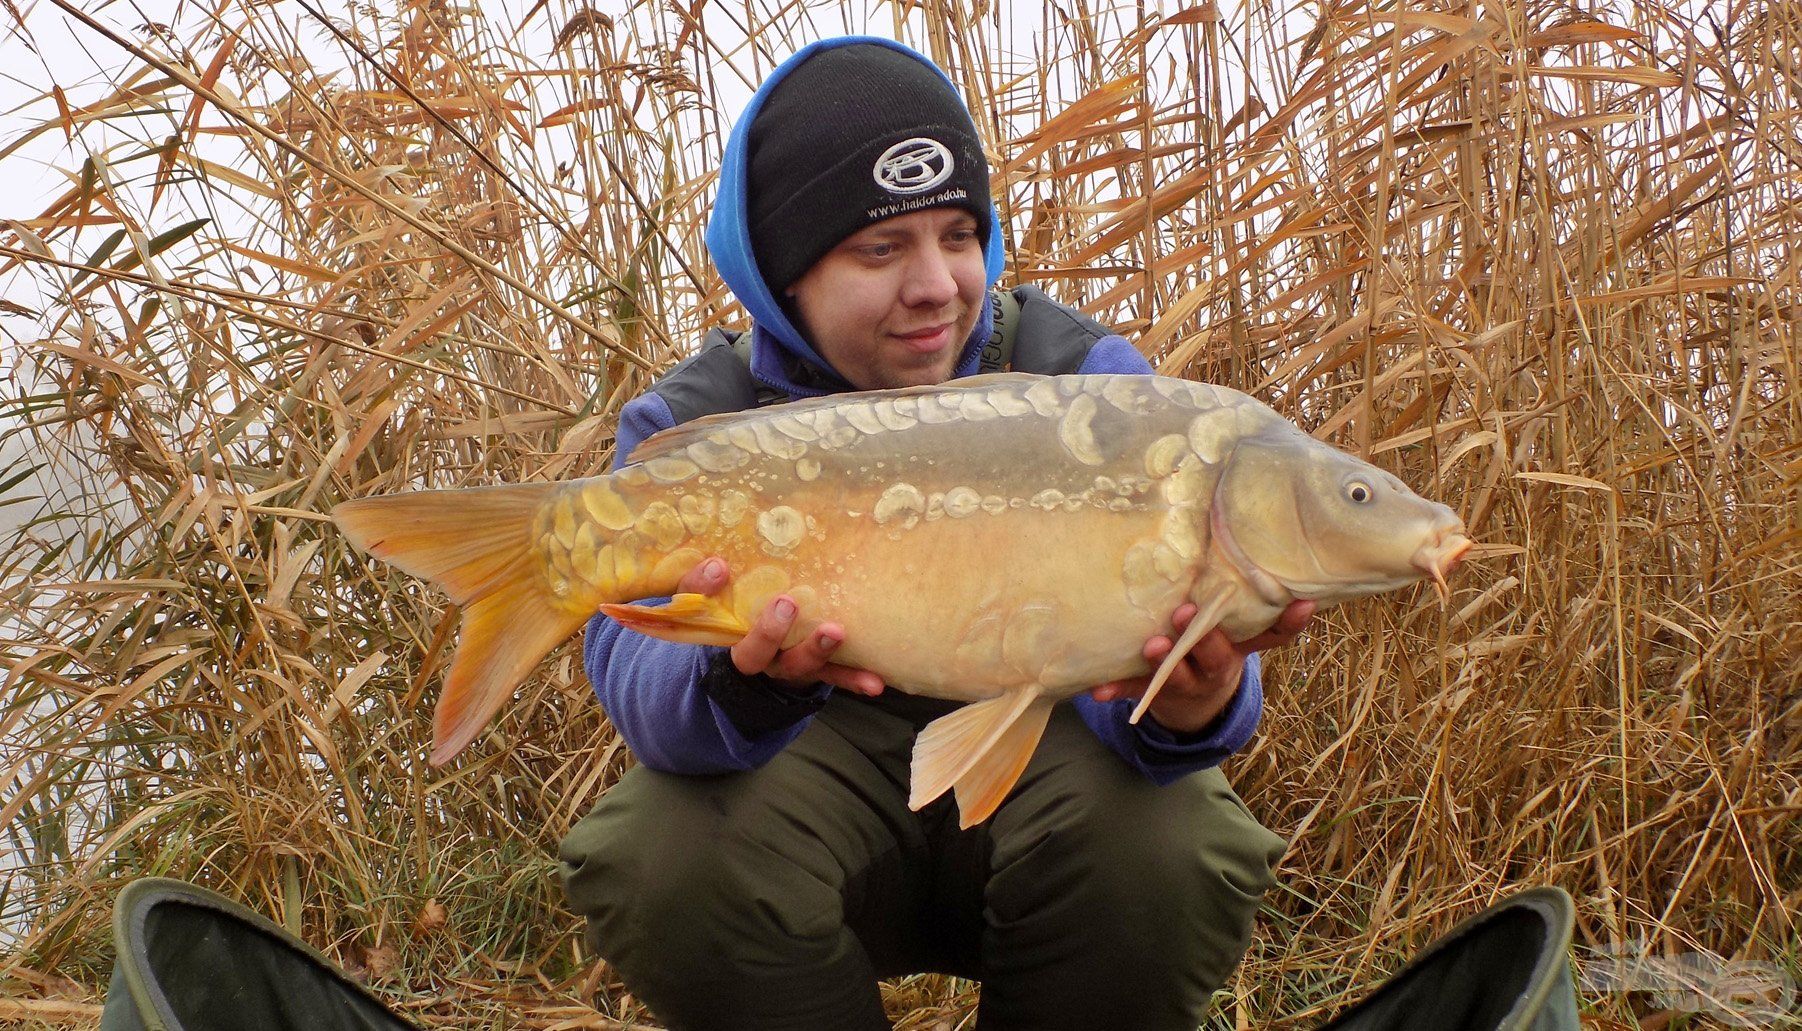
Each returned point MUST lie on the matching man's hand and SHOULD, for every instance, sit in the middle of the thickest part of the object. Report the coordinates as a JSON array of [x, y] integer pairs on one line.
[[761, 651], [1205, 681]]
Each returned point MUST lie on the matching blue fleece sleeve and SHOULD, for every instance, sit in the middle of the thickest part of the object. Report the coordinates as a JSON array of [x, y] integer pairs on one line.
[[1148, 747], [651, 689], [1164, 755], [1114, 355]]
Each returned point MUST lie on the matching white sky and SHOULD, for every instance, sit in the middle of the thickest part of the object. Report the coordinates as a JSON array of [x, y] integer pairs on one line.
[[61, 50], [52, 47]]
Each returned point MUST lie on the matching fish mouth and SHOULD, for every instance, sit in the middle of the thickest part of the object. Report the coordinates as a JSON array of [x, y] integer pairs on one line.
[[1440, 557]]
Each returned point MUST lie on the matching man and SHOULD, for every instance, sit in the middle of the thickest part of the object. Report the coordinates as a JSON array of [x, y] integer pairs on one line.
[[760, 867]]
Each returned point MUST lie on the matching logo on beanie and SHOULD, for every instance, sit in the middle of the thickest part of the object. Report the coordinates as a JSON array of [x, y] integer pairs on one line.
[[913, 166]]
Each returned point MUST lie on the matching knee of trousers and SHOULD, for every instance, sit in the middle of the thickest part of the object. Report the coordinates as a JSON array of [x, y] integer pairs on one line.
[[669, 878], [1177, 870]]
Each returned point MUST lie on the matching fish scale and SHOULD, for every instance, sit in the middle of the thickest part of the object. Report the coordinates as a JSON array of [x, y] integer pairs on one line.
[[1007, 540], [873, 478]]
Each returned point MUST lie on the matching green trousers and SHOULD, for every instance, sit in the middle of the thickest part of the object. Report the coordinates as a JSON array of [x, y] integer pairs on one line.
[[775, 898]]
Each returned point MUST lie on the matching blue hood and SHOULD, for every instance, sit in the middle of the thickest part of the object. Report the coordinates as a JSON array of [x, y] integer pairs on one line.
[[729, 241]]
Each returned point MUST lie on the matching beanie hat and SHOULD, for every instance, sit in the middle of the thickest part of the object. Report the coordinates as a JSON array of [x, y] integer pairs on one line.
[[854, 135]]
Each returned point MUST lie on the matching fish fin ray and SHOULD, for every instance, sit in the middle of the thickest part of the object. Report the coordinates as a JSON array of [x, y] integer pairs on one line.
[[681, 435], [982, 790], [685, 619], [1206, 619], [467, 541], [504, 635], [950, 745]]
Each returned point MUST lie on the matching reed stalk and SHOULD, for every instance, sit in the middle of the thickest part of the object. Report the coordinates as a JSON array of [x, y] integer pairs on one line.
[[1540, 262]]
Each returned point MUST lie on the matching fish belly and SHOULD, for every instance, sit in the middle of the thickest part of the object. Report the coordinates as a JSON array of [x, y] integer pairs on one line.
[[967, 609]]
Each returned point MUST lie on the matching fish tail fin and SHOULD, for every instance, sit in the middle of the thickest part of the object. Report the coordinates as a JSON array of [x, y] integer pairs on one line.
[[953, 745], [466, 541], [505, 634], [477, 545]]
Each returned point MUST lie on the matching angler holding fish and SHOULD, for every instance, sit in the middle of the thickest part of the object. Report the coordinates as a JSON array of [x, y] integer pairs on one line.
[[956, 554]]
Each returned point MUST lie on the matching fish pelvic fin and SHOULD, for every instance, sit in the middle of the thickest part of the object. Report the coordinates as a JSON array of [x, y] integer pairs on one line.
[[686, 619], [982, 790], [476, 544], [952, 746]]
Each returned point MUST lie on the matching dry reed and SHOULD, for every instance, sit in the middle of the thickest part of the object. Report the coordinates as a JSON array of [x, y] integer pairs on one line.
[[1539, 261]]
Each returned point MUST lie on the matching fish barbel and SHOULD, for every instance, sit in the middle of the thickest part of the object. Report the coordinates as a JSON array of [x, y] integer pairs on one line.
[[1006, 540]]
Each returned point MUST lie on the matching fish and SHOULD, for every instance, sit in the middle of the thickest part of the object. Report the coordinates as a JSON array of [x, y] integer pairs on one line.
[[1007, 540]]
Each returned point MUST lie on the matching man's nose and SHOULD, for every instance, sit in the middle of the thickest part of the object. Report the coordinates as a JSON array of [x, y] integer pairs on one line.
[[929, 280]]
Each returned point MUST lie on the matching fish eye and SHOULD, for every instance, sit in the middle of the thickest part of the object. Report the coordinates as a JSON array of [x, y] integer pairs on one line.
[[1358, 492]]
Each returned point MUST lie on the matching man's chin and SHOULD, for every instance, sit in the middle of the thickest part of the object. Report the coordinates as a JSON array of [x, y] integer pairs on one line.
[[913, 371], [925, 375]]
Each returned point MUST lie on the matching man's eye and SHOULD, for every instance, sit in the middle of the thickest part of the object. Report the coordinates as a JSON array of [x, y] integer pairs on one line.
[[879, 250]]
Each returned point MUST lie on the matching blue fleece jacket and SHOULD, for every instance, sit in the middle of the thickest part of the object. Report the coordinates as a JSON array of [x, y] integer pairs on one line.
[[651, 690]]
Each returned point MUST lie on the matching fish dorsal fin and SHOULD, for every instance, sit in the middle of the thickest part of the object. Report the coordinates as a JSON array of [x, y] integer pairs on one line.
[[695, 430]]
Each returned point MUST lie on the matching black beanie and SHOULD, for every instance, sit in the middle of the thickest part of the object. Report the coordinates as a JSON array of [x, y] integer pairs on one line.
[[851, 136]]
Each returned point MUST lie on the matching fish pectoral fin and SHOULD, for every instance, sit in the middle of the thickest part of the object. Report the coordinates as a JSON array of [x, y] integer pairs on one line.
[[982, 790], [951, 746], [1212, 607], [685, 619]]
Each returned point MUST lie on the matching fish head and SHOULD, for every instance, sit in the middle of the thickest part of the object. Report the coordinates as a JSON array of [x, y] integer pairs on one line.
[[1327, 526]]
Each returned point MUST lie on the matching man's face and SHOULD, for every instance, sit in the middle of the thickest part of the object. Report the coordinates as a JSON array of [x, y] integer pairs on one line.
[[892, 305]]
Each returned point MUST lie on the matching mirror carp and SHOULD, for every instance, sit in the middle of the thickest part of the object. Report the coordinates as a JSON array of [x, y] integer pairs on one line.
[[1008, 540]]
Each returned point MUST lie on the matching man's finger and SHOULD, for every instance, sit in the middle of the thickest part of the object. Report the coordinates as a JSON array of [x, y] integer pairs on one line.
[[1287, 628], [1156, 648], [849, 678], [805, 660], [1179, 620], [1265, 641], [1132, 687], [1295, 617], [705, 578], [1213, 651], [755, 653]]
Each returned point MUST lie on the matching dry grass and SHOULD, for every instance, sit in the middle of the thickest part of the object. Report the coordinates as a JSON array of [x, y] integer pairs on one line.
[[1541, 262]]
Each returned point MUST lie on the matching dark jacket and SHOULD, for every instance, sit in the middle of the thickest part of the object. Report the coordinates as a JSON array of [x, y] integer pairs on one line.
[[685, 708]]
